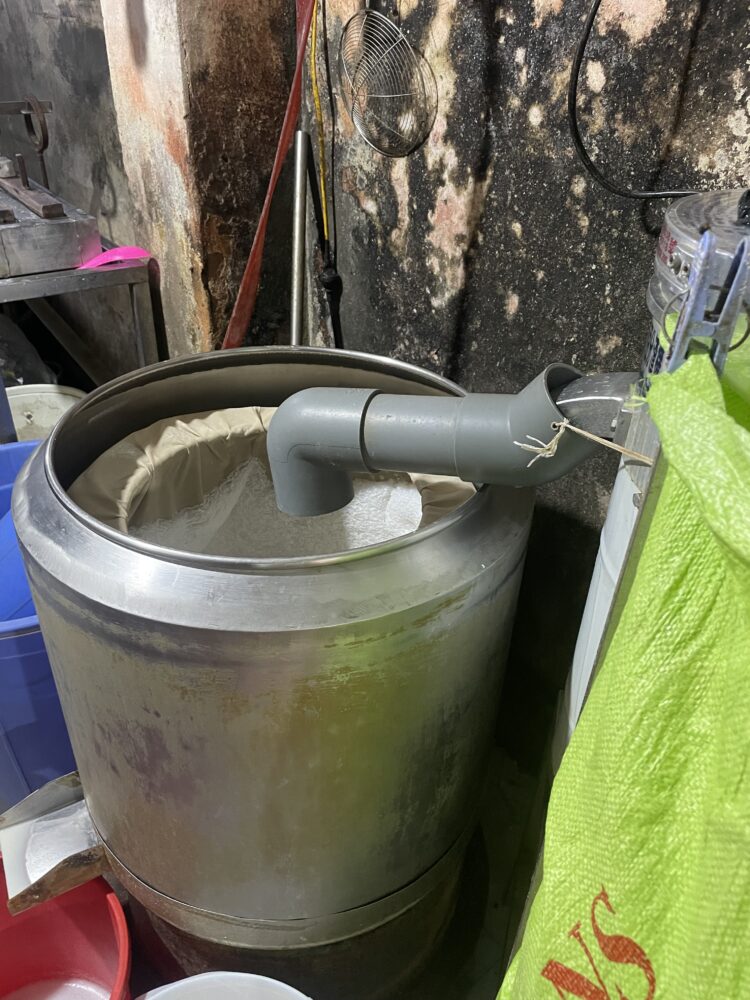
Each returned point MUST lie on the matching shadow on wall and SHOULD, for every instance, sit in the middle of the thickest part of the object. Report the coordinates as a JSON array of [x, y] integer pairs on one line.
[[137, 30], [550, 606], [103, 204], [481, 169]]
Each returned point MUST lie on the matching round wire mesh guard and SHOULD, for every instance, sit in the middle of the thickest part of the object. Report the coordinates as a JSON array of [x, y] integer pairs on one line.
[[388, 86]]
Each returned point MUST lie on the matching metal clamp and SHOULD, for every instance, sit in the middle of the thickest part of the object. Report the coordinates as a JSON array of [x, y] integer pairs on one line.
[[718, 323]]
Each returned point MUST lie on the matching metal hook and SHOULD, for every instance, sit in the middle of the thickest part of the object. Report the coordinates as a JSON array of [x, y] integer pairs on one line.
[[39, 139]]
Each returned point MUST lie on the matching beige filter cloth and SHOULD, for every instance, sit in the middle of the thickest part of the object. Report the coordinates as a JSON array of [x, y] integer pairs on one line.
[[173, 464]]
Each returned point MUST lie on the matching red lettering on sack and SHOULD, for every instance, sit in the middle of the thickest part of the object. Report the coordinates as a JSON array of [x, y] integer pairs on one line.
[[569, 983], [623, 950]]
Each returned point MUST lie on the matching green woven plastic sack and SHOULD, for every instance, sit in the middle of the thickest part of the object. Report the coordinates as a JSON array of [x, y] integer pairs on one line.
[[645, 890]]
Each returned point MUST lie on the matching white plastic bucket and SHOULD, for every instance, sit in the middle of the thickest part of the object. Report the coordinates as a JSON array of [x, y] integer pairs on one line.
[[225, 986], [37, 408]]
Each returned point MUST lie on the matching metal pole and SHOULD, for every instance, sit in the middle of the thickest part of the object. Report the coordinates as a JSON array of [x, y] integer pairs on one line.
[[301, 144], [157, 310]]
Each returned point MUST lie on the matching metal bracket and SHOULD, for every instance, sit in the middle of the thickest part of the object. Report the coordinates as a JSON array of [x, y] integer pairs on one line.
[[719, 323]]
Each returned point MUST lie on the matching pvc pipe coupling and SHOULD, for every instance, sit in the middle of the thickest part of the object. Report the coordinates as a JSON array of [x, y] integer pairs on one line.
[[318, 437]]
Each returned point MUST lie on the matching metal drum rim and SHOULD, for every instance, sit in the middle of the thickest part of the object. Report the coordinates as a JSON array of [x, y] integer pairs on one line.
[[239, 564]]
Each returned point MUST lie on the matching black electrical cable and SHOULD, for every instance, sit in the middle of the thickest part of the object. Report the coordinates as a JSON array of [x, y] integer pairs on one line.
[[330, 278], [333, 241], [575, 132]]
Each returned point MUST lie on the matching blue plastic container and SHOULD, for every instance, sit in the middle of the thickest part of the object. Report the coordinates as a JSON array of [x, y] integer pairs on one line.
[[34, 744]]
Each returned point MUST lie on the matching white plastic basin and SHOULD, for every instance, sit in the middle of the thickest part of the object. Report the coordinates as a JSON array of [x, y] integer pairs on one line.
[[37, 408], [225, 986]]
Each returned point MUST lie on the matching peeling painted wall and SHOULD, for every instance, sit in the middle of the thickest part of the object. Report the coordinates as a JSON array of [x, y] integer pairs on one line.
[[144, 46]]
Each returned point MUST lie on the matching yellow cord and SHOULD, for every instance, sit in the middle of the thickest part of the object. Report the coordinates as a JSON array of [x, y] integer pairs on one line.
[[318, 116]]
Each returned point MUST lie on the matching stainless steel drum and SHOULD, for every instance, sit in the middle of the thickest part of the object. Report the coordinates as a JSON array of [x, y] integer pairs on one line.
[[278, 754]]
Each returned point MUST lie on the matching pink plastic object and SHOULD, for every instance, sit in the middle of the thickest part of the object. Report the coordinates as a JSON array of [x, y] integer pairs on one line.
[[117, 255], [74, 946]]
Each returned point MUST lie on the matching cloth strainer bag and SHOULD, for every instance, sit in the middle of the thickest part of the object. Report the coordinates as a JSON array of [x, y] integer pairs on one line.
[[645, 889], [172, 464]]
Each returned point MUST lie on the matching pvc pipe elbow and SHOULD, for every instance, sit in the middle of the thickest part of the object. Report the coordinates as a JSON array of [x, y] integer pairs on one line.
[[314, 442]]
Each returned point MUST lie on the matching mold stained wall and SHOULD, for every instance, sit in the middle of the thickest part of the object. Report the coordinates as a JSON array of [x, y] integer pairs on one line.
[[489, 252], [200, 90], [238, 66]]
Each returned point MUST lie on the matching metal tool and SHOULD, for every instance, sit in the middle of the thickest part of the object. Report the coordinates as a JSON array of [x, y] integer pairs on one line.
[[22, 107], [21, 171], [389, 87], [34, 114], [44, 234], [697, 318], [31, 194], [37, 131]]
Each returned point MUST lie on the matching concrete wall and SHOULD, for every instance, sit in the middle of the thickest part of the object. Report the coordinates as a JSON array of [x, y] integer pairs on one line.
[[200, 90], [54, 49], [144, 45], [238, 66]]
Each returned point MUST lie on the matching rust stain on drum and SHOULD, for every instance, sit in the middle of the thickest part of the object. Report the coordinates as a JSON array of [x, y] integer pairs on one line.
[[145, 750]]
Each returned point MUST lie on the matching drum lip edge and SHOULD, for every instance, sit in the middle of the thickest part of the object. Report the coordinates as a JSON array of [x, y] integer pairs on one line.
[[303, 355]]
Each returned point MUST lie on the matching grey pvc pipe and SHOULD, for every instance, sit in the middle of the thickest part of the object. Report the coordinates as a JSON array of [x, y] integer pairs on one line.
[[318, 436], [299, 221], [315, 445]]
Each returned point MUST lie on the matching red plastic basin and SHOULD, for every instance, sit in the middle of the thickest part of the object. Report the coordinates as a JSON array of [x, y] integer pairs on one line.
[[76, 946]]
